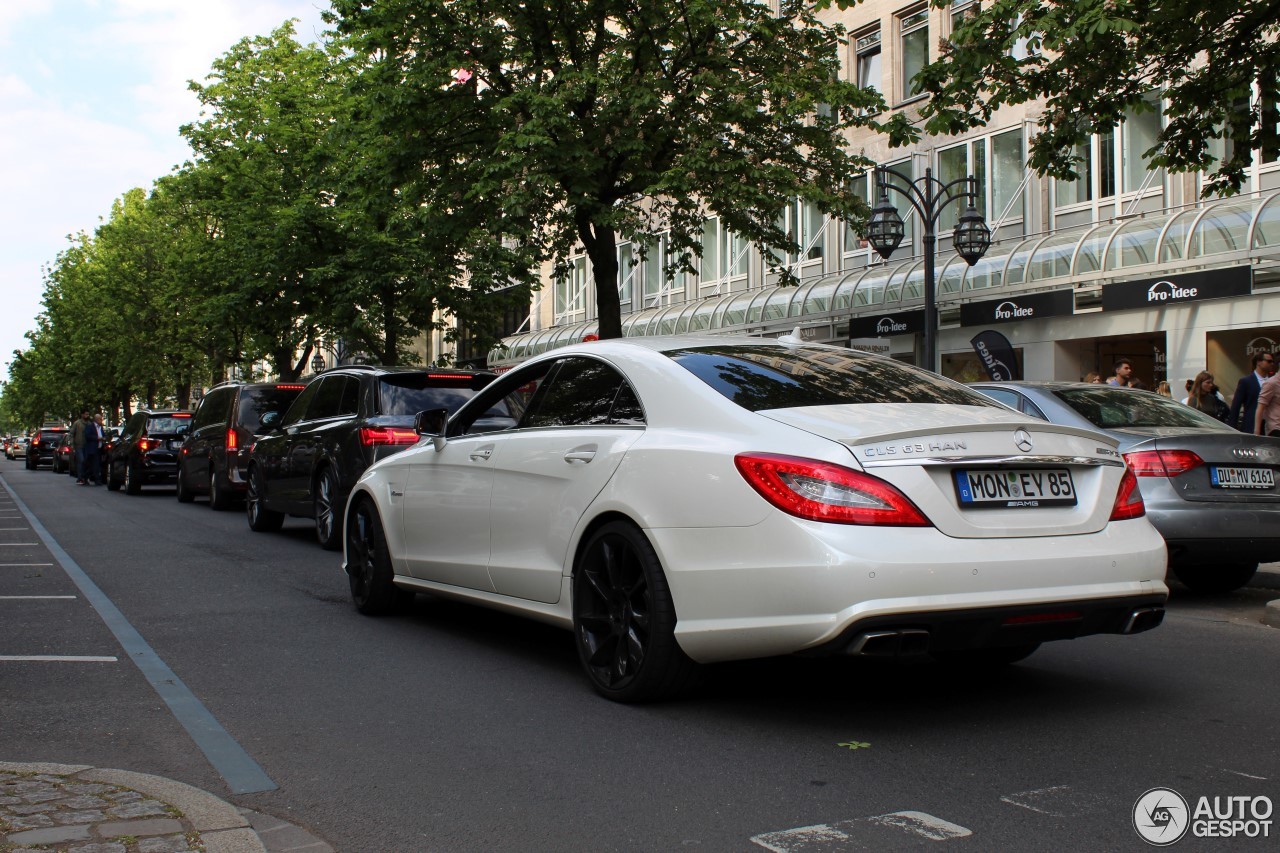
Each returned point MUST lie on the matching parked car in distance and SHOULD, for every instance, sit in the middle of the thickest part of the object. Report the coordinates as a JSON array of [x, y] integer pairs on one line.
[[349, 417], [146, 453], [64, 459], [214, 458], [683, 500], [17, 449], [1209, 489], [44, 446]]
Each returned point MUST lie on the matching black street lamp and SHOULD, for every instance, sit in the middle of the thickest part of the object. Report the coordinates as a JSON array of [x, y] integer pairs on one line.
[[929, 196]]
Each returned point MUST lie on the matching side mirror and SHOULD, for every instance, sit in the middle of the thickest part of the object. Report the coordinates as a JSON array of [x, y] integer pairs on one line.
[[432, 423], [269, 420]]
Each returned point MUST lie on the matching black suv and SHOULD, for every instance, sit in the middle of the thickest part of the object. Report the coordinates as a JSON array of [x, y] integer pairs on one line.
[[147, 450], [214, 459], [346, 419], [44, 446]]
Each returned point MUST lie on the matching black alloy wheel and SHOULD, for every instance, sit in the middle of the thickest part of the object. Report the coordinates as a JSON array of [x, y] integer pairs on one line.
[[1215, 579], [369, 569], [328, 510], [132, 478], [220, 494], [624, 619], [261, 519], [185, 494]]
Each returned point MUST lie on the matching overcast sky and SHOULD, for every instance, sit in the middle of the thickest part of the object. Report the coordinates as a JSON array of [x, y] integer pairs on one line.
[[91, 96]]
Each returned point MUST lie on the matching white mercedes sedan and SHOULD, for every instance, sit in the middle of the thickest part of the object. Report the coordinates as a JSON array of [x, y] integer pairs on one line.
[[677, 501]]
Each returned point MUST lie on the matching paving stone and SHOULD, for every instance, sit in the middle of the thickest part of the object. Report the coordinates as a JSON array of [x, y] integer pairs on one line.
[[110, 847], [143, 808], [42, 796], [154, 826], [123, 796], [166, 844], [84, 802], [9, 801], [90, 788], [79, 817], [35, 821], [53, 835], [30, 808]]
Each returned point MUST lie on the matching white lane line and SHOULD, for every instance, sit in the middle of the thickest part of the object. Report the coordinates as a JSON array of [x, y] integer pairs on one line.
[[853, 834], [924, 825], [1245, 775], [1057, 801], [12, 597], [13, 529], [15, 565], [16, 544], [61, 658]]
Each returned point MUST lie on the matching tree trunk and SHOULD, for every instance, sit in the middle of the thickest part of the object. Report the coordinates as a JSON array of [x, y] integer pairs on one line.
[[600, 243]]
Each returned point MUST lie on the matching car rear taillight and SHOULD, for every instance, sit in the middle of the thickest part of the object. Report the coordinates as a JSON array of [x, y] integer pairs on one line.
[[1128, 499], [370, 436], [233, 441], [145, 444], [1162, 463], [821, 491]]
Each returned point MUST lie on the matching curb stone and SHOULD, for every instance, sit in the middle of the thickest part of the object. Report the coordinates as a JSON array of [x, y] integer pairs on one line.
[[77, 807], [1271, 616]]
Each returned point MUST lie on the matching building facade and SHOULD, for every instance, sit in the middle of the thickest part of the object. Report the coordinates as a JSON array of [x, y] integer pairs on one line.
[[1127, 262]]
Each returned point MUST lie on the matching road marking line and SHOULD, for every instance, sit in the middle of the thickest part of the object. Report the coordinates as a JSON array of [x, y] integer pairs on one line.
[[242, 774], [1245, 775], [63, 658], [13, 529], [1057, 801], [16, 565], [16, 544], [11, 597], [924, 825], [800, 838]]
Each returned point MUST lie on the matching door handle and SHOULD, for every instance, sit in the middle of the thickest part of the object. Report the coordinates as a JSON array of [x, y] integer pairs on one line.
[[481, 454], [580, 455]]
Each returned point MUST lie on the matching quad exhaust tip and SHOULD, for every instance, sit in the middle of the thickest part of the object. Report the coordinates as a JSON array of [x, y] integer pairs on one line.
[[889, 644]]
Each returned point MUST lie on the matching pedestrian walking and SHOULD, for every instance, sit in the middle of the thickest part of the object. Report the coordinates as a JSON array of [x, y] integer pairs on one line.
[[1244, 403], [1204, 397], [91, 470], [1124, 372], [78, 430], [1267, 417]]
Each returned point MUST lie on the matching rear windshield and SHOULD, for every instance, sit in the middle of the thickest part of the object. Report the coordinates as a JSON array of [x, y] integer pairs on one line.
[[410, 393], [784, 377], [52, 434], [1116, 408], [161, 425], [256, 402]]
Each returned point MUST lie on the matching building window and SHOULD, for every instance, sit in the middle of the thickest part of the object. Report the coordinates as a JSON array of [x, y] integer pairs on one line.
[[1008, 168], [1139, 133], [913, 38], [853, 242], [627, 266], [998, 163], [961, 9], [571, 293], [724, 256], [804, 223], [867, 60], [660, 286]]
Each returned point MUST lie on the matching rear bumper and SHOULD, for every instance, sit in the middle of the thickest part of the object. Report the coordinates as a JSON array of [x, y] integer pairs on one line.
[[1208, 531], [995, 627]]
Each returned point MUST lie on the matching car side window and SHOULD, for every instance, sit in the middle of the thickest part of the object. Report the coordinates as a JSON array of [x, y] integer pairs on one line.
[[502, 403], [213, 409], [350, 405], [328, 400], [1000, 395], [1032, 409], [299, 408], [582, 392]]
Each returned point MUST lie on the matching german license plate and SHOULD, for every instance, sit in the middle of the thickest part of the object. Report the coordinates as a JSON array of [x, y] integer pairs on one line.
[[1020, 488], [1241, 478]]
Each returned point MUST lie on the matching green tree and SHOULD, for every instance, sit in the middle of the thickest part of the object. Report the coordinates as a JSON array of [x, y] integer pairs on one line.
[[1091, 61], [526, 129]]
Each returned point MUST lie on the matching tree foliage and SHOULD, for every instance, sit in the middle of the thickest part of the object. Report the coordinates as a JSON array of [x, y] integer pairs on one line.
[[1092, 61], [543, 126]]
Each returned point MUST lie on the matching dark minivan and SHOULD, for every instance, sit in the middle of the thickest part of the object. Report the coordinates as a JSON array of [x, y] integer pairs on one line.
[[214, 459], [147, 451], [347, 419]]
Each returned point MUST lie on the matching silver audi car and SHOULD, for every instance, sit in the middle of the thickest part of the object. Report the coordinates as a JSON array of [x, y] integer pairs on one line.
[[1210, 490]]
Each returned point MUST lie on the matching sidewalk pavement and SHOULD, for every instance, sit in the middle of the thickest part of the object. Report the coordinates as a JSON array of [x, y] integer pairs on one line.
[[75, 808]]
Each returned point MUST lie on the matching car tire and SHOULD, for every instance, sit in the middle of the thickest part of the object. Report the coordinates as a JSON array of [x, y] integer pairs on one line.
[[113, 485], [328, 510], [372, 580], [624, 619], [992, 657], [261, 519], [185, 495], [132, 479], [220, 494], [1209, 580]]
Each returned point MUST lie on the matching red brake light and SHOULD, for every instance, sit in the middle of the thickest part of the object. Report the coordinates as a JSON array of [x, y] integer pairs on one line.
[[1162, 463], [233, 441], [290, 387], [147, 444], [461, 377], [821, 491], [1128, 499], [387, 435]]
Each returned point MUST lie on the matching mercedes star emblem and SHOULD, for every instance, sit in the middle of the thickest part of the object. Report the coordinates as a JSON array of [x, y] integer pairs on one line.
[[1022, 438]]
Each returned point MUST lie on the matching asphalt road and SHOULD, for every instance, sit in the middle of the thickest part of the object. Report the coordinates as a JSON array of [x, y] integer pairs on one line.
[[453, 728]]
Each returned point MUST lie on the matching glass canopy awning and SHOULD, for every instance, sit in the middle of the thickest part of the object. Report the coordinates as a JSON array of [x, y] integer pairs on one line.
[[1209, 234]]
